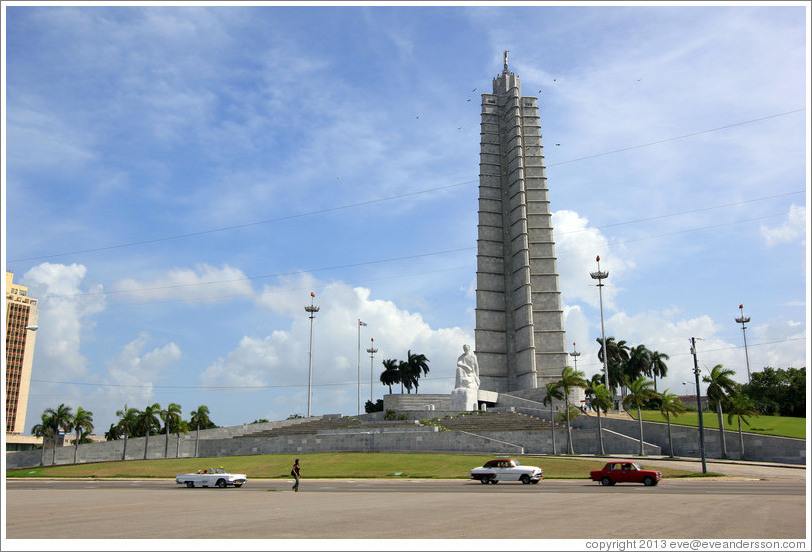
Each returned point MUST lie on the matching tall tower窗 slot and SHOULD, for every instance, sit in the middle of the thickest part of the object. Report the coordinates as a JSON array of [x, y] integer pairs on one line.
[[520, 339]]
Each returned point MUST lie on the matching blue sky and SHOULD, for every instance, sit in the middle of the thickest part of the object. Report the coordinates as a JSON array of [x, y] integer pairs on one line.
[[178, 180]]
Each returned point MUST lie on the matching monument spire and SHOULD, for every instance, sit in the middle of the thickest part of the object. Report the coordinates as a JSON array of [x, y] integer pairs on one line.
[[519, 319]]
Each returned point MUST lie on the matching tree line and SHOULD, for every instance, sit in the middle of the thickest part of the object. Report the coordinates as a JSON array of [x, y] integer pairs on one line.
[[407, 372], [131, 423], [769, 392]]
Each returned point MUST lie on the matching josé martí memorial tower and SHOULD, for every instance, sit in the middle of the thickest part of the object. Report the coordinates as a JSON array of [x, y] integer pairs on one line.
[[520, 338]]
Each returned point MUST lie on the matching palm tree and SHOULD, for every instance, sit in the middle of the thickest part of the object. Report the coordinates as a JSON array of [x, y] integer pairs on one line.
[[82, 423], [199, 417], [658, 366], [147, 422], [418, 365], [640, 390], [171, 417], [183, 427], [553, 394], [670, 403], [601, 399], [720, 386], [570, 380], [47, 429], [390, 376], [741, 407], [62, 418], [617, 352], [638, 364], [127, 423], [407, 376]]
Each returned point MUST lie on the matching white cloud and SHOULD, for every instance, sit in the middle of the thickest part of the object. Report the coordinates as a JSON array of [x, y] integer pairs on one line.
[[133, 374], [204, 284], [577, 247], [65, 315], [794, 228], [280, 360]]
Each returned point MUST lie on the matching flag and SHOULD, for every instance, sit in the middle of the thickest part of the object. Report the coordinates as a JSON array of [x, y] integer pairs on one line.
[[362, 323], [312, 294]]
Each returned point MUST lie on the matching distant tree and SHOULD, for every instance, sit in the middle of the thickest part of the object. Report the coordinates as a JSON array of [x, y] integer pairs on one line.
[[199, 419], [553, 394], [721, 385], [638, 364], [571, 379], [406, 376], [639, 391], [183, 427], [62, 419], [740, 406], [260, 421], [112, 434], [617, 353], [295, 416], [601, 400], [82, 423], [370, 407], [48, 430], [390, 375], [418, 366], [148, 422], [171, 418], [127, 425], [658, 366], [670, 404], [781, 391]]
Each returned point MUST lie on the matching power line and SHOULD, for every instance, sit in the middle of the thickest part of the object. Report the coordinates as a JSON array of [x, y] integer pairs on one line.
[[245, 225], [390, 198], [435, 253], [679, 137]]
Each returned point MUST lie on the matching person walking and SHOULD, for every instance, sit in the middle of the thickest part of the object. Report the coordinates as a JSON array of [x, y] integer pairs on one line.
[[296, 473]]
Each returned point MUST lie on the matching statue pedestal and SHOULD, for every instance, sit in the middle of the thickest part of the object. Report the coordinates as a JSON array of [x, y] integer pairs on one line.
[[464, 400]]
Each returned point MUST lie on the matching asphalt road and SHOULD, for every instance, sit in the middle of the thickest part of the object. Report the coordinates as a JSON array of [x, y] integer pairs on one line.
[[746, 505]]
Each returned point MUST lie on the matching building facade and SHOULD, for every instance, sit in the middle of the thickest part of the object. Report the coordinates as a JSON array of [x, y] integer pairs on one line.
[[21, 322], [520, 339]]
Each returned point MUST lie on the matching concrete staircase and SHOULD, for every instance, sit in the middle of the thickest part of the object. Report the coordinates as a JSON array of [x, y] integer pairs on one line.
[[477, 422]]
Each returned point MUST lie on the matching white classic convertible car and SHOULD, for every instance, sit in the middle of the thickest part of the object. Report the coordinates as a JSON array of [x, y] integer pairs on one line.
[[507, 469], [212, 477]]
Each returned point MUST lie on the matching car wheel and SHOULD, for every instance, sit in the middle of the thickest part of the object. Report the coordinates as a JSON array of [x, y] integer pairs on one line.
[[484, 480], [494, 480], [238, 485], [525, 479], [606, 481], [221, 483], [648, 481], [536, 482], [190, 484]]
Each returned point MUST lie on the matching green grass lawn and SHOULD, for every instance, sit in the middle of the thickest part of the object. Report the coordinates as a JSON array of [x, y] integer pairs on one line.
[[328, 465], [781, 426]]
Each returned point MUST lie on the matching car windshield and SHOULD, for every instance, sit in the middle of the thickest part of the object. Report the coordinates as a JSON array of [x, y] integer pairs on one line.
[[516, 463], [636, 466]]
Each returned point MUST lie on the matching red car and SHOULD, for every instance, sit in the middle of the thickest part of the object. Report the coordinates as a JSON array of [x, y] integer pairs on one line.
[[625, 472]]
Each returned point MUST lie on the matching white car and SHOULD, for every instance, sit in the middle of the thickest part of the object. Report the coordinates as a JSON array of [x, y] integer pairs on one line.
[[212, 477], [507, 469]]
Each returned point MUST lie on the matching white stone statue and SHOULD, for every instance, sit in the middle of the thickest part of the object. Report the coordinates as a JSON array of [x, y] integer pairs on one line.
[[466, 387]]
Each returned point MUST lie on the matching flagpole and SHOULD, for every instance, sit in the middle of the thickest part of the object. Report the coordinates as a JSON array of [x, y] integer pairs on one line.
[[359, 366]]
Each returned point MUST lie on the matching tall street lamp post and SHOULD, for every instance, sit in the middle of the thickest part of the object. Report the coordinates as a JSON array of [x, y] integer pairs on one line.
[[312, 309], [699, 408], [743, 320], [574, 354], [600, 276], [372, 350]]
